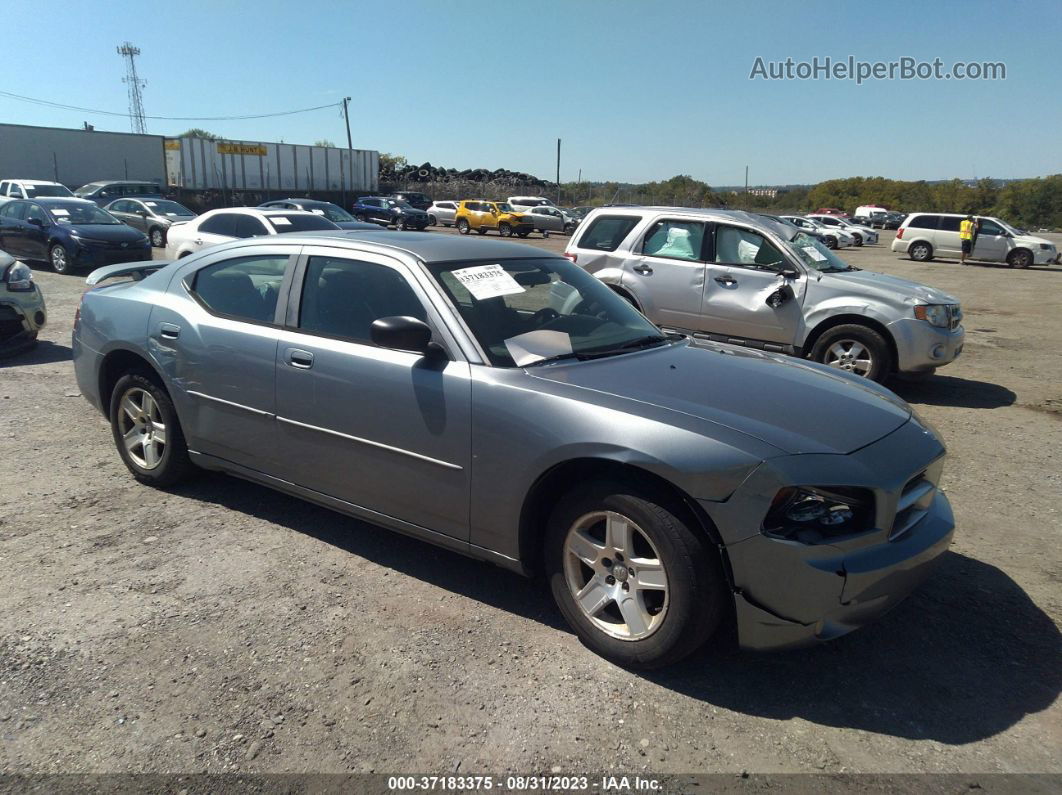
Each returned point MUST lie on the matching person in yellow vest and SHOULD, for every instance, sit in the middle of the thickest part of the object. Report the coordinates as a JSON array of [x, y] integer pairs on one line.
[[966, 234]]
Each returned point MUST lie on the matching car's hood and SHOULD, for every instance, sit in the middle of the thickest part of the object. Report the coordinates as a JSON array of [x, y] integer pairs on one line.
[[795, 406], [356, 225], [911, 292], [115, 233], [1032, 240]]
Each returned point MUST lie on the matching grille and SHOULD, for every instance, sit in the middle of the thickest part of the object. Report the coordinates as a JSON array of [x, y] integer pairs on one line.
[[914, 503]]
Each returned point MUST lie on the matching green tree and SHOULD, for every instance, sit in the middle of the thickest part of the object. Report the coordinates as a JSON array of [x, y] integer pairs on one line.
[[324, 142], [389, 162], [197, 132]]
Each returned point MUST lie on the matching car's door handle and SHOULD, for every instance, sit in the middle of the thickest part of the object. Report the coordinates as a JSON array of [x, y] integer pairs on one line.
[[169, 331], [645, 270], [299, 358], [198, 241], [726, 280]]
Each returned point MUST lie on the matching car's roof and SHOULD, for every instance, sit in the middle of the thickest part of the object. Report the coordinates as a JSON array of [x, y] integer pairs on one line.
[[46, 200], [428, 246], [269, 204], [32, 182], [257, 210]]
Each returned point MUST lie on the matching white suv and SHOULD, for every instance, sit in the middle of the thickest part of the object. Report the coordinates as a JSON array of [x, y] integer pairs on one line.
[[31, 189], [862, 234], [923, 236], [234, 223], [522, 203], [738, 278]]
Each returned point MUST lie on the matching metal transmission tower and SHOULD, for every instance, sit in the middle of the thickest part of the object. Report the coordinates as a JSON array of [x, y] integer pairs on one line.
[[133, 84]]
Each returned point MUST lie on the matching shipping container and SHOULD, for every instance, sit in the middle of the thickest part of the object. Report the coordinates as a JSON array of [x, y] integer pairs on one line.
[[77, 157], [201, 164]]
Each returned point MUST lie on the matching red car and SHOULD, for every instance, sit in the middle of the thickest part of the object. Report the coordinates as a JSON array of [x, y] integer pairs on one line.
[[831, 211]]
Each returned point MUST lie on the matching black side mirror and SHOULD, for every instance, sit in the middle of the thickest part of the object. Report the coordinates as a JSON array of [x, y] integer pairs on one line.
[[403, 333], [142, 213], [789, 273], [35, 221]]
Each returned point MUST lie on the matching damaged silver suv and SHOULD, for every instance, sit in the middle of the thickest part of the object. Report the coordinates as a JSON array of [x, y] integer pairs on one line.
[[743, 279]]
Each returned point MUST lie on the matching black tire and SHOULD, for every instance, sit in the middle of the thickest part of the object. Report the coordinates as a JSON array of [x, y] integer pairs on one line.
[[569, 228], [1020, 258], [433, 221], [831, 242], [401, 225], [880, 354], [482, 230], [858, 238], [158, 239], [505, 230], [359, 217], [462, 226], [173, 465], [523, 233], [59, 258], [920, 251], [696, 591]]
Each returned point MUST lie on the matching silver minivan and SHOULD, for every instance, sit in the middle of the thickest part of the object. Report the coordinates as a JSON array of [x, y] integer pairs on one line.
[[739, 278], [923, 236]]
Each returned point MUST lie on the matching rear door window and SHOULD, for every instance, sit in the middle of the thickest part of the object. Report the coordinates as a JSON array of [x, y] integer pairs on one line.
[[674, 240], [249, 226], [949, 223], [606, 232], [245, 288]]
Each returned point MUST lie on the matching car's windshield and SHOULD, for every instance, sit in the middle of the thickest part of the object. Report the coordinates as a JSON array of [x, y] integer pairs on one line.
[[1012, 229], [332, 212], [168, 208], [37, 191], [815, 255], [300, 222], [401, 204], [527, 311], [505, 207], [78, 213]]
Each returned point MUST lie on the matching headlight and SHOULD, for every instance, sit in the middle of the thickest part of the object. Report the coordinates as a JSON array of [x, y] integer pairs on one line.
[[816, 514], [934, 314], [19, 278]]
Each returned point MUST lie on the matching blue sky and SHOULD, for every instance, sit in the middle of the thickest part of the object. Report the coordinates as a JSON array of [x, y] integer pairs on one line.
[[637, 90]]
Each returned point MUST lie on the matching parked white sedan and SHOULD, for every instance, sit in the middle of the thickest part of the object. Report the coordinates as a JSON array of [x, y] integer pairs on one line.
[[861, 233], [232, 223]]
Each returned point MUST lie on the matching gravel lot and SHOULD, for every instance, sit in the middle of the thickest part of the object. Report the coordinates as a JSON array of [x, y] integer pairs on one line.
[[224, 627]]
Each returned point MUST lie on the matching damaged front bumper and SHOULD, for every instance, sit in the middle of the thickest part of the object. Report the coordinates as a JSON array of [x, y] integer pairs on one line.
[[788, 593], [22, 315]]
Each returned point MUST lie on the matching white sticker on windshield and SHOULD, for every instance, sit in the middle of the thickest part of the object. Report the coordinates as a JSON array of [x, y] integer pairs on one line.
[[814, 253], [537, 345], [151, 204], [317, 212], [59, 211], [279, 220], [487, 281]]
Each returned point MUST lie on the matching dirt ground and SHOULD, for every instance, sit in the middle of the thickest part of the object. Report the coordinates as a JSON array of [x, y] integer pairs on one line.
[[224, 627]]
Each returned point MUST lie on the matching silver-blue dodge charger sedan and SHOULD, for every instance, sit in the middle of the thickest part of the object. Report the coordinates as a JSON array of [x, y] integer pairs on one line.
[[498, 401]]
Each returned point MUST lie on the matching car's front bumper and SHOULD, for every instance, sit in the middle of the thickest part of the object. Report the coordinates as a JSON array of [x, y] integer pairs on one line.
[[22, 315], [921, 347], [787, 593], [95, 255]]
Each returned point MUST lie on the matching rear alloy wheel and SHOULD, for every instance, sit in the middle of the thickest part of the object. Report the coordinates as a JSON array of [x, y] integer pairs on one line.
[[433, 221], [60, 259], [637, 585], [462, 227], [920, 252], [146, 431], [1020, 258], [158, 240], [858, 238], [505, 230], [856, 349]]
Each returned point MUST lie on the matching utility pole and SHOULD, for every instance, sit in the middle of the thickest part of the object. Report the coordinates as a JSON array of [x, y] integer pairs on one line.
[[558, 171], [133, 85], [746, 187], [350, 145]]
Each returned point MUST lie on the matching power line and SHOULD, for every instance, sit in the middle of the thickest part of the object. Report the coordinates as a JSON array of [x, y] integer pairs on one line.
[[61, 106]]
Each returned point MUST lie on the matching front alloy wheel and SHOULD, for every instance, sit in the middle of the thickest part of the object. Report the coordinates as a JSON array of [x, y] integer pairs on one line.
[[157, 238], [633, 573], [59, 258], [850, 355], [615, 575]]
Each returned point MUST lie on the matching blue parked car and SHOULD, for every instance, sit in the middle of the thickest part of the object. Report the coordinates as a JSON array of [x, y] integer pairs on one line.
[[390, 212], [69, 233]]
